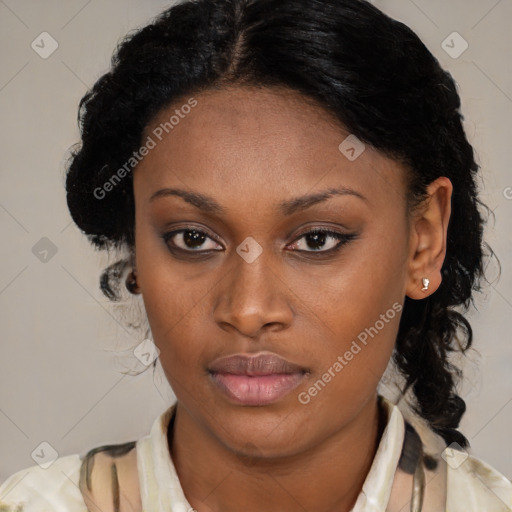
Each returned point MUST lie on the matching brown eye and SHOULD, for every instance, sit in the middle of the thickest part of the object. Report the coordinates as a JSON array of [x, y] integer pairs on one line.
[[191, 240], [321, 241]]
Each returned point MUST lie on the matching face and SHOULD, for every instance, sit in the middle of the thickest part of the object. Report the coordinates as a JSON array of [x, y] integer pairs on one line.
[[241, 249]]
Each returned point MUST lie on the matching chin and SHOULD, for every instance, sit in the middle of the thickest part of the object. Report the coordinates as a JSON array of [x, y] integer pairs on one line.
[[265, 434]]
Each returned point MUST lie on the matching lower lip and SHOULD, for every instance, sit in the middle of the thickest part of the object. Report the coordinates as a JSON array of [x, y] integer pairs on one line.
[[256, 390]]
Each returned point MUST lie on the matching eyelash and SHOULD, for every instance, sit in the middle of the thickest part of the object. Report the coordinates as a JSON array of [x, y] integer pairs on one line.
[[343, 240]]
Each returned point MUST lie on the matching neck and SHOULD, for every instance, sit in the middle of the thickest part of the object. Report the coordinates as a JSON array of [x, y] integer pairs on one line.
[[326, 477]]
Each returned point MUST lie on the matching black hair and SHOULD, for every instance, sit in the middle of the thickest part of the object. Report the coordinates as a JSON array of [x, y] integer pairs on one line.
[[368, 70]]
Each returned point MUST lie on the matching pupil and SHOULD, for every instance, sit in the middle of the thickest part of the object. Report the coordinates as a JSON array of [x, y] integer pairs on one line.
[[193, 237], [318, 238]]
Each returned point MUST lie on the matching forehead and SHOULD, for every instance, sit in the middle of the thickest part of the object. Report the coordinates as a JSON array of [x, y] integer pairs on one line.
[[242, 140]]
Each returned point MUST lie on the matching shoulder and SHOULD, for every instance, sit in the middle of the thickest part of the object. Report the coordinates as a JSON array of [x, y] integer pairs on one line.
[[35, 489], [471, 485], [475, 485], [105, 478]]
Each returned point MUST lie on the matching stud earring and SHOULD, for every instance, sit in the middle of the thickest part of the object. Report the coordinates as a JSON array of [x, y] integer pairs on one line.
[[425, 282], [131, 283]]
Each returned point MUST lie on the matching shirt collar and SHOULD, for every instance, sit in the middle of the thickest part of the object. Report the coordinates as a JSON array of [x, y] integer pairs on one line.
[[376, 490]]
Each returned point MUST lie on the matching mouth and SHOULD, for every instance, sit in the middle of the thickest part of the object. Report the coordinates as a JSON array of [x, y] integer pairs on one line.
[[255, 380]]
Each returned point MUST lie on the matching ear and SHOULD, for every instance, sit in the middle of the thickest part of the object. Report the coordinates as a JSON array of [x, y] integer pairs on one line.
[[427, 239]]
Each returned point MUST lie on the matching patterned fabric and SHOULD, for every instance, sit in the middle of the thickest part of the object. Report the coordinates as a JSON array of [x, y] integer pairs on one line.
[[140, 476]]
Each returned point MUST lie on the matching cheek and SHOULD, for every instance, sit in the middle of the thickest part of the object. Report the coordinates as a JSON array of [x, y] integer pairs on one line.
[[175, 321], [169, 300], [358, 344], [367, 281], [358, 308]]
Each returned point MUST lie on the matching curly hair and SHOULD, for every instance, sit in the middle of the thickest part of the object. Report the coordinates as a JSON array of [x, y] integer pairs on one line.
[[368, 70]]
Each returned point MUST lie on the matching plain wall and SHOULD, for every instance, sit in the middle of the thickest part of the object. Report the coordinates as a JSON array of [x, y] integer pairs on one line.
[[64, 346]]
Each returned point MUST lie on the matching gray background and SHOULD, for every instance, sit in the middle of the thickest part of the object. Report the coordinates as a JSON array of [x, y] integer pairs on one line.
[[65, 347]]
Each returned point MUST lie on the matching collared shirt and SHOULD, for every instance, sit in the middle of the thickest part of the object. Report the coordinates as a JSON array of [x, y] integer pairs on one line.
[[141, 476]]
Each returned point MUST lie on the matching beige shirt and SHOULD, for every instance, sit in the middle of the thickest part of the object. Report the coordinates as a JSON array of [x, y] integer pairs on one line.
[[140, 476]]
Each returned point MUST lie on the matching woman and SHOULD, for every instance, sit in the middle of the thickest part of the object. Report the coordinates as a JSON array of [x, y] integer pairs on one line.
[[295, 193]]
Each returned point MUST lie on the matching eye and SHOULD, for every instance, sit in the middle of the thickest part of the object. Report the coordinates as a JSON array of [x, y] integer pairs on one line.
[[196, 241], [190, 240], [321, 240]]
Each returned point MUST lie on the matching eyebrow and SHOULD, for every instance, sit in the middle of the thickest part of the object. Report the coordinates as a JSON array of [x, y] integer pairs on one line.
[[209, 205]]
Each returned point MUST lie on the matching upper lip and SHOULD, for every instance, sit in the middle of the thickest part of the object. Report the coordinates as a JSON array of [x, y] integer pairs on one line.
[[254, 365]]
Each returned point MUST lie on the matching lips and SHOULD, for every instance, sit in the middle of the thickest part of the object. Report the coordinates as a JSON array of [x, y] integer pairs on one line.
[[255, 379]]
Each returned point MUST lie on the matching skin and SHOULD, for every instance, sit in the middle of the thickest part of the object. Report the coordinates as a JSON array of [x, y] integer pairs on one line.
[[250, 150]]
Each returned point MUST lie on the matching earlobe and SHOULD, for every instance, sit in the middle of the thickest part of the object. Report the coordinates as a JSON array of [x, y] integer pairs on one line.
[[428, 239], [131, 282]]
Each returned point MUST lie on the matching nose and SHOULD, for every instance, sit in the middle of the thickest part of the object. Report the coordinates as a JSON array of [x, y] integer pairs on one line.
[[253, 297]]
